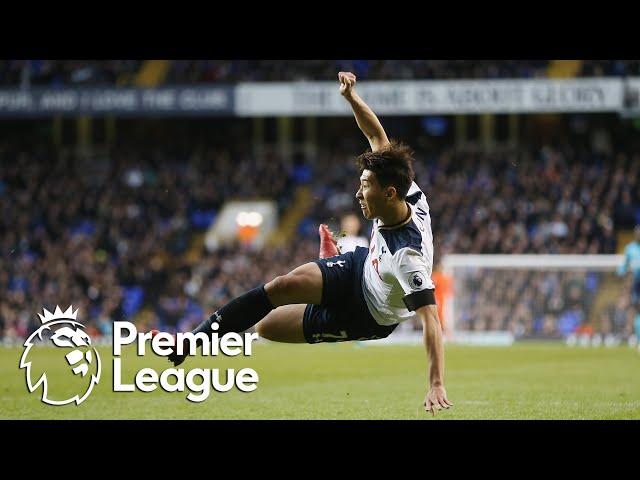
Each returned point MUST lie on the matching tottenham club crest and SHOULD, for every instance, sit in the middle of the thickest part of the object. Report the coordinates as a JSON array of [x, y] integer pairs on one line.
[[78, 367], [339, 263], [416, 281]]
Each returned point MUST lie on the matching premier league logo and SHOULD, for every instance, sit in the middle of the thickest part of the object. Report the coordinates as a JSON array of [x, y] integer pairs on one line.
[[416, 281], [77, 357]]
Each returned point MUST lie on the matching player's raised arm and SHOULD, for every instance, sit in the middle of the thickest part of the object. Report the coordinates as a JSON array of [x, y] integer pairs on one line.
[[365, 118]]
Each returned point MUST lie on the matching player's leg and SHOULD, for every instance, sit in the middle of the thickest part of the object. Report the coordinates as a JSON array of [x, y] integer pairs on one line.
[[300, 286], [323, 324], [284, 324]]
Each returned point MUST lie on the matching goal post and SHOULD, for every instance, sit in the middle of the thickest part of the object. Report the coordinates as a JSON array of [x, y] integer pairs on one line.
[[497, 299]]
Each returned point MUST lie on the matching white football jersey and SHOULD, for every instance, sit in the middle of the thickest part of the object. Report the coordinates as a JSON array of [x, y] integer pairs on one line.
[[349, 243], [399, 262]]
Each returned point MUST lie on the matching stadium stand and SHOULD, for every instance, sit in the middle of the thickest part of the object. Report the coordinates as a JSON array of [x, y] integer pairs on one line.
[[122, 233], [26, 73]]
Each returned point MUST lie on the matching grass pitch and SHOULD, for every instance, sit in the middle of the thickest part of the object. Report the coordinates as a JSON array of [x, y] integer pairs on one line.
[[360, 381]]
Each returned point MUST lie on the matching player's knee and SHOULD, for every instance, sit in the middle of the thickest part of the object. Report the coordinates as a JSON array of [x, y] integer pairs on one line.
[[263, 330], [270, 330], [283, 284]]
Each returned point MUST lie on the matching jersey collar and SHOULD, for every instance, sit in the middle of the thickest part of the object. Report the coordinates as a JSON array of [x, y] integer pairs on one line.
[[400, 224]]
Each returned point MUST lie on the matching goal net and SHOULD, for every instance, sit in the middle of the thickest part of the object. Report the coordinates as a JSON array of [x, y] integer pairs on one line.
[[497, 299]]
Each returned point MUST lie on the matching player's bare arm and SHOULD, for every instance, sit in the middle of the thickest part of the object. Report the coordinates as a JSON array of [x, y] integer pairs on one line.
[[436, 398], [365, 118]]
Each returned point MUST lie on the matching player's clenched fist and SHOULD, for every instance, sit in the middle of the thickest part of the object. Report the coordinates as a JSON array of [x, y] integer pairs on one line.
[[347, 82]]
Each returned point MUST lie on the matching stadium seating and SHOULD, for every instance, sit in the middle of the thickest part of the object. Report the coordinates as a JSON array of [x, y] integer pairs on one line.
[[116, 243], [139, 72]]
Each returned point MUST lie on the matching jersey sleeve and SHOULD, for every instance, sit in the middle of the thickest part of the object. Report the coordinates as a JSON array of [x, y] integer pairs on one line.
[[417, 198], [414, 193], [413, 188], [413, 272]]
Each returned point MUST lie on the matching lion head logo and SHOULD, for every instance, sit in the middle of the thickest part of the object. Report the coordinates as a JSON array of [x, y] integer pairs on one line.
[[78, 358], [416, 281]]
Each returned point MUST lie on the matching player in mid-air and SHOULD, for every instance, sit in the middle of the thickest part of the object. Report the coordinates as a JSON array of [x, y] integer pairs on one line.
[[360, 295], [632, 263]]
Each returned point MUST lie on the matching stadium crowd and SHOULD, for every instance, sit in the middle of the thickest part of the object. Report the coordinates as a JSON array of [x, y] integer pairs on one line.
[[549, 201], [317, 70], [117, 235], [57, 73], [121, 72], [534, 304]]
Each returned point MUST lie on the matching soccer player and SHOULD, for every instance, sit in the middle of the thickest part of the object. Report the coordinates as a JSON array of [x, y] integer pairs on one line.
[[632, 262], [360, 295]]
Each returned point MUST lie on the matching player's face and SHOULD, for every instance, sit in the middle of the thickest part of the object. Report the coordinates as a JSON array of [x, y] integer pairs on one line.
[[370, 195]]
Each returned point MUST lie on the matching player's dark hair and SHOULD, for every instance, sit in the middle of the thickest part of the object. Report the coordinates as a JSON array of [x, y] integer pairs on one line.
[[391, 165]]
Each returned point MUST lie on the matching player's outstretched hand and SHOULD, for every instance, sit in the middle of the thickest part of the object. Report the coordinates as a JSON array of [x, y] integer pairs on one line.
[[436, 399], [347, 82]]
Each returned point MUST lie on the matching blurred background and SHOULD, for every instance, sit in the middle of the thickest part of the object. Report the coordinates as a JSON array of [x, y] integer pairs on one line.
[[155, 191]]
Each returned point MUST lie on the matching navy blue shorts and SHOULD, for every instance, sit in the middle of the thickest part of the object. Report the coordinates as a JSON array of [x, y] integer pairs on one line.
[[343, 314]]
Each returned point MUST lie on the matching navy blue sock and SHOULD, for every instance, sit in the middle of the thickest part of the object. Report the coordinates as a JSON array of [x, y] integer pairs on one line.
[[239, 314]]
